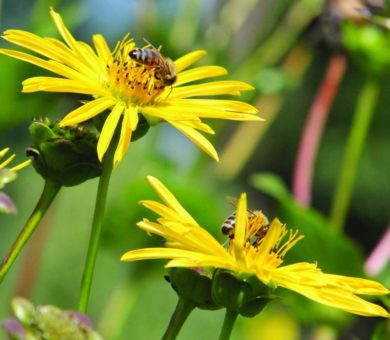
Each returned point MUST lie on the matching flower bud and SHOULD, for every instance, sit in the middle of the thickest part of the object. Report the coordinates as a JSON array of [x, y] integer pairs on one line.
[[65, 155], [192, 286], [47, 322], [369, 46], [245, 295]]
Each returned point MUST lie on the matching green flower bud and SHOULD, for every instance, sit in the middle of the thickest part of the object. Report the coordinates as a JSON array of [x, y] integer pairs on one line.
[[245, 295], [192, 286], [369, 45], [23, 310], [47, 322], [65, 155]]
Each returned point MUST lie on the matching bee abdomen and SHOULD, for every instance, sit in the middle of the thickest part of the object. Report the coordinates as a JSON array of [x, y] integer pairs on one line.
[[145, 56], [228, 225]]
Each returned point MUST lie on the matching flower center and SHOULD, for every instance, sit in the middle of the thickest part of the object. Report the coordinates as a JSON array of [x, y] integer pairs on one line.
[[131, 81], [257, 227]]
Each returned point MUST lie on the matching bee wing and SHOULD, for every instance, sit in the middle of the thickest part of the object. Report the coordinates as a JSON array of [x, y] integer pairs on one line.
[[157, 50], [234, 201]]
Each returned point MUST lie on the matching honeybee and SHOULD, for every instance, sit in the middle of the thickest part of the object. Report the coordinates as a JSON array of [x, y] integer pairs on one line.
[[229, 224], [165, 71]]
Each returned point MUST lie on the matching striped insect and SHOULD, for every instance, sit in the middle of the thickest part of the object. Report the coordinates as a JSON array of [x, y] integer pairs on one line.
[[164, 68], [260, 227]]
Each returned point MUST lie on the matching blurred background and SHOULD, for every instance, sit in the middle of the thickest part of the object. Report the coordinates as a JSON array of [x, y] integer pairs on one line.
[[284, 49]]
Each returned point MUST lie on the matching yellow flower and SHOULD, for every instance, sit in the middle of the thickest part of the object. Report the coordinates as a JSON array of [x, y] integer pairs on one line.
[[3, 164], [127, 88], [189, 245]]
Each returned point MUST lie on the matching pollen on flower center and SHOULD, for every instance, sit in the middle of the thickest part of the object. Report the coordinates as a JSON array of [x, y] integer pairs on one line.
[[132, 82]]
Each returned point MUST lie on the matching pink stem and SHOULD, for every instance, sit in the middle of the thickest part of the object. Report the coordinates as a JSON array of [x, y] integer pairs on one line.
[[318, 113], [379, 256]]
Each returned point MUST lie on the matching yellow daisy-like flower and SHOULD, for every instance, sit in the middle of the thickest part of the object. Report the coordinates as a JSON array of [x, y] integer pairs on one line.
[[15, 168], [189, 245], [128, 87]]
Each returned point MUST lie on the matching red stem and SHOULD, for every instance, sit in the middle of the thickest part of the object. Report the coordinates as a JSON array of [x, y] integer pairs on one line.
[[314, 126]]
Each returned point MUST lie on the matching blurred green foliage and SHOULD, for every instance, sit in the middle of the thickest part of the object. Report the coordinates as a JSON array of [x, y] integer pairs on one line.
[[251, 39]]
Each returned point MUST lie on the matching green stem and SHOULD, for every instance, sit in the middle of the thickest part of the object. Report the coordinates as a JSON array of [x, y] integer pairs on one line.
[[96, 230], [50, 190], [352, 154], [228, 323], [179, 316]]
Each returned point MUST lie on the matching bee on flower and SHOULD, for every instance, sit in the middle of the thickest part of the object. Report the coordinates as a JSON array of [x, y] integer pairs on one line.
[[132, 84], [191, 246]]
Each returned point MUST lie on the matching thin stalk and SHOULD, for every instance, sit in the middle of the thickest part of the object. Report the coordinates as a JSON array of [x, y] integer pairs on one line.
[[96, 229], [312, 131], [32, 257], [228, 323], [353, 150], [50, 190], [179, 316]]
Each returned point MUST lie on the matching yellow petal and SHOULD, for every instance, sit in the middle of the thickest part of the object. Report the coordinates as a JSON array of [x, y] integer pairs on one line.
[[156, 253], [190, 112], [240, 229], [50, 65], [132, 112], [169, 199], [275, 232], [3, 152], [21, 165], [187, 60], [338, 298], [199, 126], [161, 210], [66, 35], [358, 285], [102, 48], [202, 261], [7, 161], [51, 84], [166, 113], [197, 138], [108, 130], [124, 139], [211, 89], [221, 104], [47, 47], [87, 111], [198, 73]]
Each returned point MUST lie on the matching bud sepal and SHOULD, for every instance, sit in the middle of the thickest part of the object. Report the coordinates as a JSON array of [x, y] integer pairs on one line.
[[64, 155], [245, 295]]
